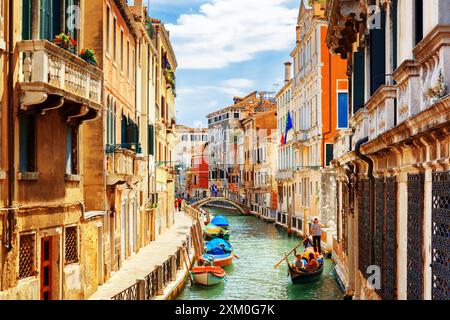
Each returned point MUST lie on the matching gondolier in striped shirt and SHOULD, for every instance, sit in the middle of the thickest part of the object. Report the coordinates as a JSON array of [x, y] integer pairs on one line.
[[316, 232]]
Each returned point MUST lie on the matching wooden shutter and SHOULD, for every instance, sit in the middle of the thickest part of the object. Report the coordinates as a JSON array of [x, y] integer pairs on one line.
[[26, 19]]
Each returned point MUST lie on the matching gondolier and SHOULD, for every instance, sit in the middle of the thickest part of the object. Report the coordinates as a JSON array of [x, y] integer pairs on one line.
[[316, 232]]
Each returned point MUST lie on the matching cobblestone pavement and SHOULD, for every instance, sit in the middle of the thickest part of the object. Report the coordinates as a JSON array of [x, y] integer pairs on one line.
[[141, 264]]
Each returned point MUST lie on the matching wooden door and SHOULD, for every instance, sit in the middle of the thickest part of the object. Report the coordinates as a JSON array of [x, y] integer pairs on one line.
[[46, 268]]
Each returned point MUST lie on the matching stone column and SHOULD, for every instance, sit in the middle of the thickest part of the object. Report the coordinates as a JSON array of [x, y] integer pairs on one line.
[[159, 272], [35, 19], [140, 289], [389, 42], [173, 272], [402, 236]]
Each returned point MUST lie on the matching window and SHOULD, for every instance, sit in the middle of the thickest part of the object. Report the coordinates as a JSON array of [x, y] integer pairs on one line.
[[342, 110], [128, 60], [151, 140], [27, 267], [184, 138], [115, 39], [71, 245], [236, 115], [108, 22], [121, 51], [26, 19], [328, 154], [71, 150], [134, 66], [50, 19], [27, 141]]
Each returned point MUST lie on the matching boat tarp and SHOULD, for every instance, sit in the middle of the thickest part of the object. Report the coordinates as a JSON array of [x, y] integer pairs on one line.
[[218, 243], [220, 221], [212, 229]]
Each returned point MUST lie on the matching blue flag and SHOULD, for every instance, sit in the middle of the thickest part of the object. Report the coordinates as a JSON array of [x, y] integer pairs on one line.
[[289, 126]]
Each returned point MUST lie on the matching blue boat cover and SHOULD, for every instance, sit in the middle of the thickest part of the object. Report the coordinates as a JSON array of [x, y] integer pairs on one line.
[[220, 244], [220, 221]]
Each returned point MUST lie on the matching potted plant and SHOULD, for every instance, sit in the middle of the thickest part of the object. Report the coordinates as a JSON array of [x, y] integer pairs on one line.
[[439, 90], [89, 56], [65, 41], [170, 77]]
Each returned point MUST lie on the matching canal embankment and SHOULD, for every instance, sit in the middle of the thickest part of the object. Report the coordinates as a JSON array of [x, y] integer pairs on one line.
[[158, 271]]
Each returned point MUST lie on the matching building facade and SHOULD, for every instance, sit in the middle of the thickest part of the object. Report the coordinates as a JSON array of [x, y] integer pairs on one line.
[[224, 133], [187, 141], [315, 100], [79, 144], [260, 155], [393, 162]]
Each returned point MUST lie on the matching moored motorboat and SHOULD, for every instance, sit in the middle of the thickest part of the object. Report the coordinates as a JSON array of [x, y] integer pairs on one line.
[[221, 260], [208, 275], [211, 231]]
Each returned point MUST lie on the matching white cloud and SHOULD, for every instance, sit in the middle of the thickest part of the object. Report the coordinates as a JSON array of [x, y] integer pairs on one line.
[[224, 32], [238, 83], [230, 87]]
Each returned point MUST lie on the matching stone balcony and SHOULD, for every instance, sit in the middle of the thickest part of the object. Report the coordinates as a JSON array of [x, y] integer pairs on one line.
[[342, 143], [381, 110], [51, 77], [359, 123], [124, 165], [426, 80]]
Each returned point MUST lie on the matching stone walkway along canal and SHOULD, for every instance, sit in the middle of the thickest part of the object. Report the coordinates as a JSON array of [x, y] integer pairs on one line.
[[260, 246]]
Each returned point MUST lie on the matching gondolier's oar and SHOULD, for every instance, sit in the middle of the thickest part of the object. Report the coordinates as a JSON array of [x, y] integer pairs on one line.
[[276, 266], [236, 256]]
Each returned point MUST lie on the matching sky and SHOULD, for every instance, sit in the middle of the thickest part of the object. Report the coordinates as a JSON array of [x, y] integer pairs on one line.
[[225, 48]]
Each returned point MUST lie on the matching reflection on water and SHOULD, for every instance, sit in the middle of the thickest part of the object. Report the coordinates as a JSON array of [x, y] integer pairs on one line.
[[260, 246]]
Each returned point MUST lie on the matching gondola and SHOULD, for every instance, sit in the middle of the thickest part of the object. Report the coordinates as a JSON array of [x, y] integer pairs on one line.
[[221, 260], [304, 275]]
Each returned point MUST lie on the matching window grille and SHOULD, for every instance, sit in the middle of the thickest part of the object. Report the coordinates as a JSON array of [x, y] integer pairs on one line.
[[26, 256], [71, 247]]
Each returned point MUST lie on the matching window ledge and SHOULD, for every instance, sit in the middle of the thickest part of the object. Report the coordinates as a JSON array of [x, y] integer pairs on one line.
[[2, 175], [2, 45], [72, 177], [28, 176]]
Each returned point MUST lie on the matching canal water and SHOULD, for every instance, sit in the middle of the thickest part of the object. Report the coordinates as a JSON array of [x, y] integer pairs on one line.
[[260, 246]]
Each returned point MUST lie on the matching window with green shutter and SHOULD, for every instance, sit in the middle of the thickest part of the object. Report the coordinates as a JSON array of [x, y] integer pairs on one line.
[[151, 140], [329, 154], [50, 19], [26, 19]]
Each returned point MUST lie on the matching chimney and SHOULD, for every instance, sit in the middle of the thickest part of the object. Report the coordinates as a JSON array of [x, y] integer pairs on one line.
[[287, 71], [139, 9]]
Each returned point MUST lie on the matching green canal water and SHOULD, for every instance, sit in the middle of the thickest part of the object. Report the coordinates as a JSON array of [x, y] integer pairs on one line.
[[260, 246]]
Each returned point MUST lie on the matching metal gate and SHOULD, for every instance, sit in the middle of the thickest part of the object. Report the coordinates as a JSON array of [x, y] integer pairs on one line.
[[363, 225], [440, 241], [390, 248], [415, 236], [379, 229]]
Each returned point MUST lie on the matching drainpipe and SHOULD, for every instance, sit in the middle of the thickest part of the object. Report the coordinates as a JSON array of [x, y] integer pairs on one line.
[[10, 219], [371, 191]]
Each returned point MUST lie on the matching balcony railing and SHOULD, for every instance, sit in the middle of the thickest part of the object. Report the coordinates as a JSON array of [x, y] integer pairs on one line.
[[342, 143], [359, 124], [381, 111], [46, 70], [135, 147], [124, 164]]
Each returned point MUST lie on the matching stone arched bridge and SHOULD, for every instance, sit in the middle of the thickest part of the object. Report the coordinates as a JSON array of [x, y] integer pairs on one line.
[[241, 207]]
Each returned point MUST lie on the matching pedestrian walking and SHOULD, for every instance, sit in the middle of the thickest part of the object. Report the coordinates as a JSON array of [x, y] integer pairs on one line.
[[316, 232], [180, 202], [176, 204]]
